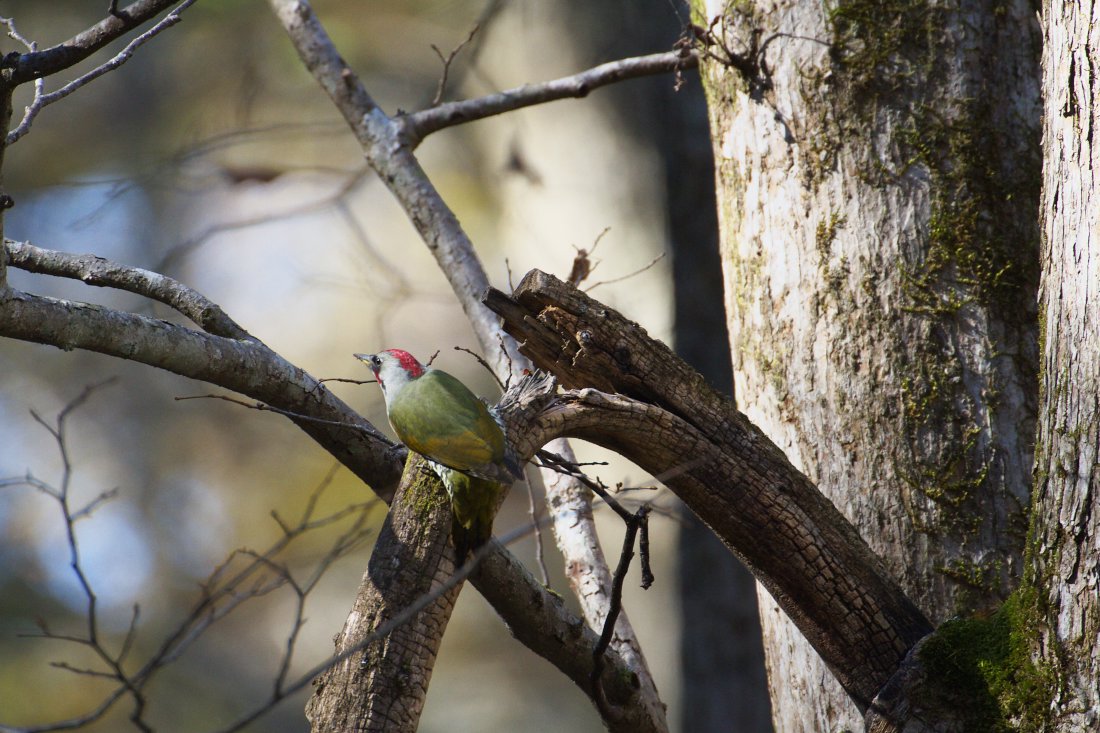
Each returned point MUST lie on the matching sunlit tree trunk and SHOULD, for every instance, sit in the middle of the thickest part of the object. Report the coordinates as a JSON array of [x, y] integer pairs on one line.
[[1067, 474], [878, 182]]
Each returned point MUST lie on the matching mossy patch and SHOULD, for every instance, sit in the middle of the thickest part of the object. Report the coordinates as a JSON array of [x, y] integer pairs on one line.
[[892, 82], [982, 667]]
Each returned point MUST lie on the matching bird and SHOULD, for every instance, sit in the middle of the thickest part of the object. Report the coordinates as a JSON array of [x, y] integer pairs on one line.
[[437, 416]]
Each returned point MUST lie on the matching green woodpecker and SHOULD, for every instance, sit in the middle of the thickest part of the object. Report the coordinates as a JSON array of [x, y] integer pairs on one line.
[[436, 415]]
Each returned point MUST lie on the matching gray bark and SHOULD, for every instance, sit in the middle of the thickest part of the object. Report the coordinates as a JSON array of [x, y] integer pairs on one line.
[[1066, 530], [877, 186]]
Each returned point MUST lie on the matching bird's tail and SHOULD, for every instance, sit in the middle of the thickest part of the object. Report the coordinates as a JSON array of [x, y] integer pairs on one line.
[[468, 536]]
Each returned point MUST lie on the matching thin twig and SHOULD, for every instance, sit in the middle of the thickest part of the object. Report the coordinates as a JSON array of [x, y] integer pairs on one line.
[[556, 462], [15, 34], [128, 685], [268, 408], [42, 100], [509, 367], [348, 381], [639, 271], [508, 269], [485, 364], [533, 511], [71, 52], [615, 604], [447, 64]]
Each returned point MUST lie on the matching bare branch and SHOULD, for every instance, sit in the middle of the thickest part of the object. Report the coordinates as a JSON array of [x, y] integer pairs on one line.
[[71, 52], [42, 100], [419, 125], [16, 35], [388, 147], [112, 663], [100, 272], [615, 607], [247, 367], [391, 157]]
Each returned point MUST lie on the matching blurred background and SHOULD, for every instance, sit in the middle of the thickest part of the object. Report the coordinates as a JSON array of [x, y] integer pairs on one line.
[[214, 158]]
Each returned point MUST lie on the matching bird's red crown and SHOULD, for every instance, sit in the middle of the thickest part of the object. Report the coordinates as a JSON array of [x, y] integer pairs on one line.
[[408, 362]]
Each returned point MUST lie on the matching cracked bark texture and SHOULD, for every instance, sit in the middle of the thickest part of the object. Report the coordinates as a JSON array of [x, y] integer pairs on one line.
[[1066, 530], [382, 687], [877, 197], [669, 421]]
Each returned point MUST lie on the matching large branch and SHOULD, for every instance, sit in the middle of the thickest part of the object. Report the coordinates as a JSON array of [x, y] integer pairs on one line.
[[382, 687], [101, 272], [389, 151], [244, 366], [535, 615], [666, 418], [36, 64]]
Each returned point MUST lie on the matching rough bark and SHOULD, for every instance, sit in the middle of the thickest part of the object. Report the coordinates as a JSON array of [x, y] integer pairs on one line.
[[383, 686], [735, 479], [1066, 527], [877, 187], [388, 646]]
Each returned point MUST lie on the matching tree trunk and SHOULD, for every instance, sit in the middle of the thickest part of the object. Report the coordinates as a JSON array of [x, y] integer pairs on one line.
[[382, 687], [1067, 474], [877, 195]]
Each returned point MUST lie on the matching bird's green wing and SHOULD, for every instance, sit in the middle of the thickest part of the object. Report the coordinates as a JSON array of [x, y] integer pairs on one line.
[[437, 416]]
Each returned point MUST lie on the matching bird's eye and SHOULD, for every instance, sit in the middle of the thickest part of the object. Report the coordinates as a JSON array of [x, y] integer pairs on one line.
[[375, 361]]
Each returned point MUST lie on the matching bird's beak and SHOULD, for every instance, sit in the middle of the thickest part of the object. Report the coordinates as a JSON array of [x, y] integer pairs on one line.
[[364, 358]]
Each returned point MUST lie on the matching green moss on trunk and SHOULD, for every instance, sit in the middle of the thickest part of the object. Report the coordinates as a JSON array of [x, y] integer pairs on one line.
[[982, 667]]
